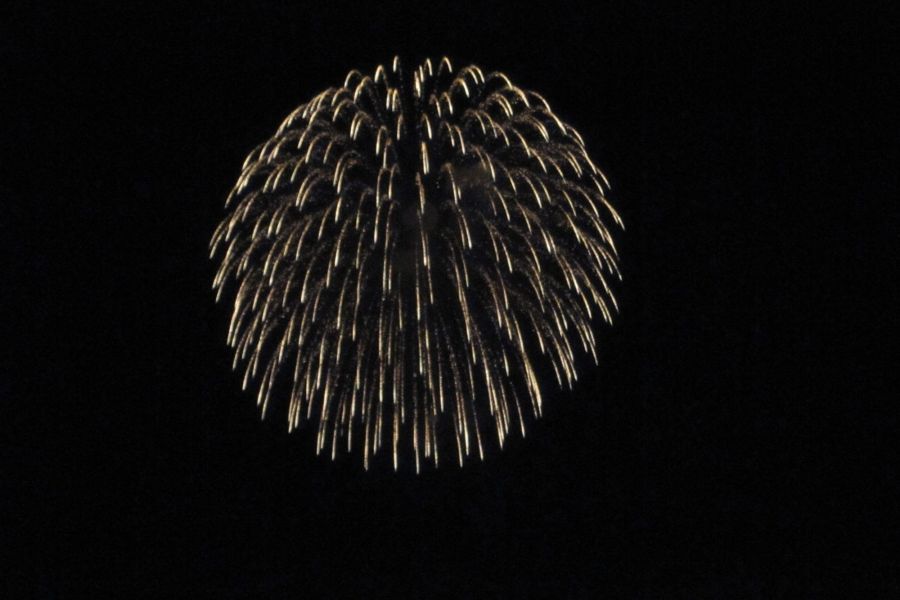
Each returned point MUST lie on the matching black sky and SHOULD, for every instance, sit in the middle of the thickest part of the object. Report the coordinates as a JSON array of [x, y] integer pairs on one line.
[[671, 470]]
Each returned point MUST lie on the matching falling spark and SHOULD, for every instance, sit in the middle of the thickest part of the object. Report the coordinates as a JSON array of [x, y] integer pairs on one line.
[[407, 254]]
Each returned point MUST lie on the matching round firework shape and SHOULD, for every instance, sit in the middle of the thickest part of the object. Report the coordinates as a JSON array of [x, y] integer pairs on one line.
[[407, 257]]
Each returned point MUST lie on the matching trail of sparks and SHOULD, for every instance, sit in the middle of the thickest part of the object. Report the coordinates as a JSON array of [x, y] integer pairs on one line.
[[408, 251]]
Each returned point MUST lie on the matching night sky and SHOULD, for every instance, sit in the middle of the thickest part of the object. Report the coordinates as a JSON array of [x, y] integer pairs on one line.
[[671, 468]]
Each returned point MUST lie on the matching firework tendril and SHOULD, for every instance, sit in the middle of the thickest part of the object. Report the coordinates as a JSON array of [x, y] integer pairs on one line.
[[408, 254]]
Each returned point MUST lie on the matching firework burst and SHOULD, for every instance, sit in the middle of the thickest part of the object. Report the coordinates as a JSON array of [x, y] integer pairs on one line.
[[408, 253]]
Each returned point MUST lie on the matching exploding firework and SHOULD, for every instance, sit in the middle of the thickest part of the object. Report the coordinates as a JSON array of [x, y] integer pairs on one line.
[[408, 253]]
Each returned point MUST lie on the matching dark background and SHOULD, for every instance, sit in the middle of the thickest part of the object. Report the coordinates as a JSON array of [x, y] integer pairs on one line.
[[678, 467]]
